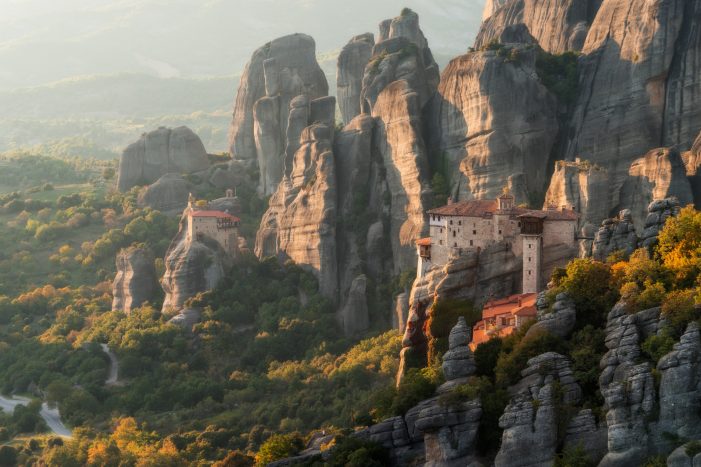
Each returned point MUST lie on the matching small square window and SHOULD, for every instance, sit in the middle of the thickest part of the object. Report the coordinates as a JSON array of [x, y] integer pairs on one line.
[[474, 232], [499, 231]]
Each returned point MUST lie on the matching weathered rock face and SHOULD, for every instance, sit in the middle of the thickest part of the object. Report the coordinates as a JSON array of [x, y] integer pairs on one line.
[[617, 234], [578, 185], [136, 282], [557, 25], [492, 118], [159, 152], [530, 425], [300, 223], [354, 314], [692, 161], [559, 322], [192, 267], [627, 385], [169, 193], [622, 107], [400, 142], [658, 213], [660, 174], [352, 61], [277, 73], [680, 387]]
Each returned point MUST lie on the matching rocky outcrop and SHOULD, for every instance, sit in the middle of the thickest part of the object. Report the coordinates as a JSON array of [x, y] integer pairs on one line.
[[559, 321], [491, 119], [578, 185], [354, 314], [659, 174], [399, 140], [135, 283], [557, 25], [692, 162], [169, 193], [160, 152], [680, 388], [530, 421], [192, 266], [627, 385], [458, 362], [300, 223], [658, 213], [276, 75], [614, 235], [352, 61]]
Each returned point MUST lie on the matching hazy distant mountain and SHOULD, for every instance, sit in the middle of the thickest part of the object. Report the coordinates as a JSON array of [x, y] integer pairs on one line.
[[43, 41]]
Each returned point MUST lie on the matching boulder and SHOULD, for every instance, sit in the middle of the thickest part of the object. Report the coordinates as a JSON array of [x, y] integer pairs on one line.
[[168, 193], [160, 152], [135, 283], [560, 321]]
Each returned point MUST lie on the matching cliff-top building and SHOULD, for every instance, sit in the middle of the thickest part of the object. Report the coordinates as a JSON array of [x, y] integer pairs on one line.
[[458, 227], [216, 225]]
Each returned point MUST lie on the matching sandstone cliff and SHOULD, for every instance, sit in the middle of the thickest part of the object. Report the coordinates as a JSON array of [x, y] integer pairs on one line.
[[168, 193], [160, 152], [492, 119], [557, 25], [277, 73], [135, 282], [352, 61]]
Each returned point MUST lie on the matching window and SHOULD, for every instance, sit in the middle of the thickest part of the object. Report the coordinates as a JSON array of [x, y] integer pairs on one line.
[[519, 224], [471, 243], [455, 245], [529, 259], [451, 222], [474, 232], [499, 231], [454, 232], [441, 242], [529, 246], [529, 273], [459, 222]]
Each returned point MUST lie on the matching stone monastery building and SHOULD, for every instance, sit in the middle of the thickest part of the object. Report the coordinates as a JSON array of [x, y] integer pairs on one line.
[[216, 225], [458, 227]]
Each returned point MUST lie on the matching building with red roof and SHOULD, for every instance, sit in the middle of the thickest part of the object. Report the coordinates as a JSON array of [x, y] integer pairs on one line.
[[216, 225], [503, 316], [473, 225]]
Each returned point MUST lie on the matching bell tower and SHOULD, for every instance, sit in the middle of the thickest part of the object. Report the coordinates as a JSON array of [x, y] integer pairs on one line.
[[532, 236]]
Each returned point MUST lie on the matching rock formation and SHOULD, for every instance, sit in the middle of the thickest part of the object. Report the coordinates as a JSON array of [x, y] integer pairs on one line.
[[692, 161], [614, 235], [658, 213], [168, 193], [558, 25], [627, 385], [530, 436], [192, 266], [578, 184], [660, 174], [160, 152], [560, 321], [352, 61], [136, 282], [492, 119], [625, 105], [277, 74], [300, 223], [458, 362]]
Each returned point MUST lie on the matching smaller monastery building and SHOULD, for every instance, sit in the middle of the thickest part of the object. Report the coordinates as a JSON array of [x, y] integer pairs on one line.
[[503, 316], [216, 225]]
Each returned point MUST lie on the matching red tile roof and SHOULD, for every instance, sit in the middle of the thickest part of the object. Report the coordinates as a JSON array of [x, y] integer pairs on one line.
[[510, 305], [553, 214], [424, 241], [217, 214], [474, 208]]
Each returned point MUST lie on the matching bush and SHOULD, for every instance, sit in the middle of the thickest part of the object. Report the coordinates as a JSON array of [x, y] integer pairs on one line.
[[442, 318], [510, 365], [417, 385], [679, 309], [355, 452], [573, 457], [486, 356], [558, 73], [279, 447], [658, 345]]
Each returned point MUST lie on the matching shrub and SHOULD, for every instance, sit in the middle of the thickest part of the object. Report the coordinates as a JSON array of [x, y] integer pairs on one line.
[[486, 356], [510, 365], [558, 73], [573, 457], [279, 447], [679, 309], [658, 345], [443, 316], [417, 385], [355, 452], [680, 246], [692, 448]]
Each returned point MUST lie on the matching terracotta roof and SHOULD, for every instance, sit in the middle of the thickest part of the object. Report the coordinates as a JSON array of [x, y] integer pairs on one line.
[[553, 214], [510, 305], [424, 241], [217, 214], [473, 208]]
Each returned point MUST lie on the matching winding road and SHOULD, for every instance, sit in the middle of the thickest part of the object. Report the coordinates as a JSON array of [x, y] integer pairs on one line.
[[50, 416]]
